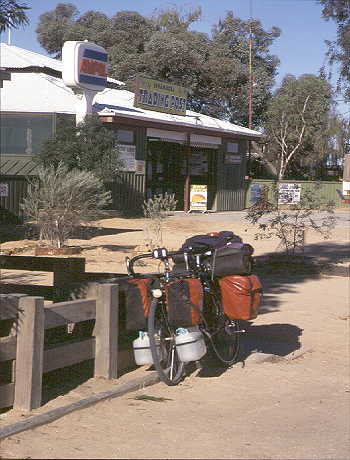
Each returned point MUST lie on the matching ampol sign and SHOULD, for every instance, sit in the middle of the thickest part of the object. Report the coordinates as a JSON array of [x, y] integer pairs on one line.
[[84, 65]]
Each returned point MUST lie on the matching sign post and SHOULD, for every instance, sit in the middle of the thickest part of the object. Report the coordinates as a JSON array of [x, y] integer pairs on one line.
[[85, 71]]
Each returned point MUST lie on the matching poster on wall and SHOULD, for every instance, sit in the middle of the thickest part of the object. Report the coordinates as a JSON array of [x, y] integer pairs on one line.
[[255, 193], [232, 159], [127, 155], [198, 197], [4, 189], [289, 193], [140, 167]]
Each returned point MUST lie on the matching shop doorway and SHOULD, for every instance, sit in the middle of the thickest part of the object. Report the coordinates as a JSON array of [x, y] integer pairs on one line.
[[166, 170]]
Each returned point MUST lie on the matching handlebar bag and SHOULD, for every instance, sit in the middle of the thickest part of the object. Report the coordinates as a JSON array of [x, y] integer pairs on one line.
[[137, 303], [184, 302], [240, 296], [233, 259]]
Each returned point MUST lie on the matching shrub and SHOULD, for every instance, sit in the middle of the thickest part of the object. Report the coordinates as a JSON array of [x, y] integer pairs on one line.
[[290, 224], [157, 209], [60, 199]]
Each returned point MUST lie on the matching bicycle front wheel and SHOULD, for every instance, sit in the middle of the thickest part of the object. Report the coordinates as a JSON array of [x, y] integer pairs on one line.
[[162, 343]]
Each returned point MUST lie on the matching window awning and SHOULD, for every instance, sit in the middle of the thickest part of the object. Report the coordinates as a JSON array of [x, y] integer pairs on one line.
[[211, 142], [167, 136]]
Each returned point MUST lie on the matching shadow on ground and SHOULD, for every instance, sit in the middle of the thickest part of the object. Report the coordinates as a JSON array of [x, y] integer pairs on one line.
[[111, 247], [30, 232], [280, 274]]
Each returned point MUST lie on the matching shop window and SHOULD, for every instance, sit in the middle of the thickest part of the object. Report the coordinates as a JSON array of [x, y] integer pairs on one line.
[[125, 136], [232, 147], [24, 133]]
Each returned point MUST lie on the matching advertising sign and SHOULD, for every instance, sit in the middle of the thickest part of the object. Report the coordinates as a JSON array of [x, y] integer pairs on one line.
[[198, 197], [159, 96], [255, 193], [126, 153], [346, 189], [4, 189], [289, 193], [84, 65]]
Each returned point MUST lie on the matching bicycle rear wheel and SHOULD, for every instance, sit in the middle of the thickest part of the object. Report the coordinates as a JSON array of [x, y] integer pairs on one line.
[[162, 343], [224, 336]]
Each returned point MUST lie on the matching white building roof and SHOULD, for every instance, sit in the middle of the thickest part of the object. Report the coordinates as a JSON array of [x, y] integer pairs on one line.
[[39, 92]]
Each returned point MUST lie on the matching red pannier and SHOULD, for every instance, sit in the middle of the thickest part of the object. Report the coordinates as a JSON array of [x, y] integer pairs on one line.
[[240, 296], [138, 300], [184, 302]]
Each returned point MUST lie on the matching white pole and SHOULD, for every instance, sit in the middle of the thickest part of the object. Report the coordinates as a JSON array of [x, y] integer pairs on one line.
[[9, 36]]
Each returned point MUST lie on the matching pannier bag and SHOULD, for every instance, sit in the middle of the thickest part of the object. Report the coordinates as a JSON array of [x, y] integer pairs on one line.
[[210, 241], [240, 296], [184, 302], [203, 243], [137, 303], [233, 259]]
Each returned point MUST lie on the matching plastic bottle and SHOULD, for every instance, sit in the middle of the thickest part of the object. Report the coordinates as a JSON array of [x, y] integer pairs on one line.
[[142, 351], [190, 345]]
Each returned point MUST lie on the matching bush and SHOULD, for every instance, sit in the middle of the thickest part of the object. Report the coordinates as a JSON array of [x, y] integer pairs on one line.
[[157, 209], [89, 146], [289, 225], [60, 199]]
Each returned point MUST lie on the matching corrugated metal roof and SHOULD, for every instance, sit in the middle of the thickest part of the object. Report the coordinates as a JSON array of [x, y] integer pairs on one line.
[[47, 93], [17, 165]]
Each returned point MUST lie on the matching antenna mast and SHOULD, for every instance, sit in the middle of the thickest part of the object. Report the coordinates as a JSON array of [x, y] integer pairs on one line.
[[250, 93]]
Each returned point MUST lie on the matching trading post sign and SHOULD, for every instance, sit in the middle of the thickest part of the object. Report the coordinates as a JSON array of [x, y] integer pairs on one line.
[[160, 96]]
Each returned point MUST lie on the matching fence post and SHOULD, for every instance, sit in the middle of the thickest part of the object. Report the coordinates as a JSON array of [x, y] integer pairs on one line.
[[30, 351], [106, 331]]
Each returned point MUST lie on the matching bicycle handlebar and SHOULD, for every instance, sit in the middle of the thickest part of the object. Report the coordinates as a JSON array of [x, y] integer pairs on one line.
[[164, 258]]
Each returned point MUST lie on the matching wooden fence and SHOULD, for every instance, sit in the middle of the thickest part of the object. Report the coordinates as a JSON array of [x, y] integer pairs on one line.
[[66, 270], [26, 319]]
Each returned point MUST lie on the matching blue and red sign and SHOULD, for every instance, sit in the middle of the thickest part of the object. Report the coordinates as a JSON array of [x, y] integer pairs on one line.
[[93, 67], [84, 65]]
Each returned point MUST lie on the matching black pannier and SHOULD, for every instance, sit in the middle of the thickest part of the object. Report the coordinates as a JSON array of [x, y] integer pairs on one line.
[[184, 302], [210, 241], [233, 259], [202, 243]]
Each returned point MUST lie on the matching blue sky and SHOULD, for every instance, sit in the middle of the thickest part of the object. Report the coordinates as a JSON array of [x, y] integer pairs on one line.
[[301, 48]]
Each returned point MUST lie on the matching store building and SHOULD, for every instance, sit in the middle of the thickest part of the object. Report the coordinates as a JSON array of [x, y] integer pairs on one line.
[[162, 152]]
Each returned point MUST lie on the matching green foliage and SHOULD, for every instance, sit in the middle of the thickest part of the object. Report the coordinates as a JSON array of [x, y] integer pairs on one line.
[[53, 27], [215, 68], [157, 209], [60, 199], [229, 67], [12, 14], [298, 121], [313, 212], [89, 146], [339, 50]]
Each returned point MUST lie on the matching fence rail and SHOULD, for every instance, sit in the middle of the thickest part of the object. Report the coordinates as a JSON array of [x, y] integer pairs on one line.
[[66, 270], [24, 345]]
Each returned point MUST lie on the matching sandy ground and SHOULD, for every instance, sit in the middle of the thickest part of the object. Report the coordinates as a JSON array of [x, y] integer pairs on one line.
[[279, 409]]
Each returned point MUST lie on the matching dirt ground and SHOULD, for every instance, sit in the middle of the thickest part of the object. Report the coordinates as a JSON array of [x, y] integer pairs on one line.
[[286, 408]]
